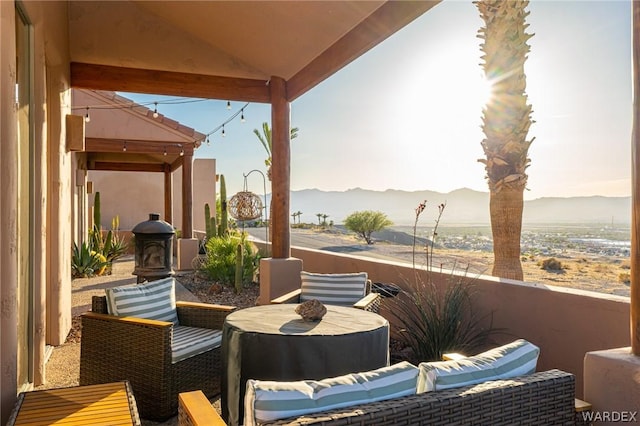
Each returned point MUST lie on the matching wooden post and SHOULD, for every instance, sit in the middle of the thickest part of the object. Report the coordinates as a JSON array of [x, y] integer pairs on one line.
[[168, 197], [635, 183], [280, 169], [187, 196]]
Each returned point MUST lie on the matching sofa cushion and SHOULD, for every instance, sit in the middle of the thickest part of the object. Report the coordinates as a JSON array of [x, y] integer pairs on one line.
[[514, 359], [333, 289], [192, 341], [153, 300], [270, 400]]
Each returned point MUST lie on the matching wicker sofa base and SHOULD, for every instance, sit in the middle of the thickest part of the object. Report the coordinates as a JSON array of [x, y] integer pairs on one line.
[[544, 398]]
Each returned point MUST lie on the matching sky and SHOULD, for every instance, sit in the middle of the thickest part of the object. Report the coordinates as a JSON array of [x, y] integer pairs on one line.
[[406, 115]]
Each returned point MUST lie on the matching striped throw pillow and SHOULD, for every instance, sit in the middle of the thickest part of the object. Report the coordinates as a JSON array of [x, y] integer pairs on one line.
[[269, 400], [333, 289], [153, 300], [514, 359], [192, 341]]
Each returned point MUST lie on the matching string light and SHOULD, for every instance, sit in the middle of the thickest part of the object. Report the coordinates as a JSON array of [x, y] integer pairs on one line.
[[155, 113], [181, 150], [240, 113], [165, 151], [124, 146]]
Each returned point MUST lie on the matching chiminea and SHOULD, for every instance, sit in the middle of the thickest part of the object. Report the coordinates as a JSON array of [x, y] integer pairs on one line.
[[154, 249]]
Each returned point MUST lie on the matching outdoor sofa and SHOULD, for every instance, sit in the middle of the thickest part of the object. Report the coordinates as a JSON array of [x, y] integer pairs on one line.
[[497, 387], [542, 398]]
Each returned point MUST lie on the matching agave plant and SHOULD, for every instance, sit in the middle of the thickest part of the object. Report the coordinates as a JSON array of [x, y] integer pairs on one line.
[[86, 262]]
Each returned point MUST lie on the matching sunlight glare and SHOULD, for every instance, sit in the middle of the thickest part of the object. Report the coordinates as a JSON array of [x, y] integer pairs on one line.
[[484, 91]]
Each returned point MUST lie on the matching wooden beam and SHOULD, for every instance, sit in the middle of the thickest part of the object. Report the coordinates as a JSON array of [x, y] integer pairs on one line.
[[386, 20], [104, 77], [635, 182], [137, 146], [280, 170], [125, 167]]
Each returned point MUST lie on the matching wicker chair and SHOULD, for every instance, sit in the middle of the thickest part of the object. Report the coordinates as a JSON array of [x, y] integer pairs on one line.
[[543, 398], [370, 302], [139, 350]]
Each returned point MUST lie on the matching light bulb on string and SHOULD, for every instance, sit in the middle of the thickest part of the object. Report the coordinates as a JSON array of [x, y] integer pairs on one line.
[[165, 151], [155, 110], [181, 151], [242, 120], [228, 104], [86, 116], [223, 133], [124, 146], [208, 141]]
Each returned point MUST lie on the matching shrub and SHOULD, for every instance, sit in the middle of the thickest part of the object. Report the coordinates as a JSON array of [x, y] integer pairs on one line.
[[551, 264], [624, 277], [220, 263], [432, 321], [364, 223]]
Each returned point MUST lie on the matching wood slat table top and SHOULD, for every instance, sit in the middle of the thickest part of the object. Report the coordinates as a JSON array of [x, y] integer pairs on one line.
[[107, 404]]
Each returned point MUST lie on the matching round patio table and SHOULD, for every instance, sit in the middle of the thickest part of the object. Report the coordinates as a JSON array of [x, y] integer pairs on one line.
[[272, 342]]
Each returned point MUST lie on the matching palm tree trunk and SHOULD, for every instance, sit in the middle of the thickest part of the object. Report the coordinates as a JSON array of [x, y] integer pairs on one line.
[[506, 208]]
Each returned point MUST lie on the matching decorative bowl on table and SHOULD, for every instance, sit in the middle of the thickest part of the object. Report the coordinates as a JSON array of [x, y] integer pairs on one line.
[[311, 310]]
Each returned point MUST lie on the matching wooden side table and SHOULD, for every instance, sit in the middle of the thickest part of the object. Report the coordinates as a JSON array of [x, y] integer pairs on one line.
[[110, 404]]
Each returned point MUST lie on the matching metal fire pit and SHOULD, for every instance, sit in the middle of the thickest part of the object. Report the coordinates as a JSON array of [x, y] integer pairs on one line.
[[154, 249]]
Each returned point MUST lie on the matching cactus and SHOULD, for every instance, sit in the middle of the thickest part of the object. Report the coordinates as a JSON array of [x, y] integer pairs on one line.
[[207, 220], [96, 211], [214, 226], [239, 268], [223, 226]]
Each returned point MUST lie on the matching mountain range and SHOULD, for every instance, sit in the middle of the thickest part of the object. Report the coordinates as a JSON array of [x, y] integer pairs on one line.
[[463, 206]]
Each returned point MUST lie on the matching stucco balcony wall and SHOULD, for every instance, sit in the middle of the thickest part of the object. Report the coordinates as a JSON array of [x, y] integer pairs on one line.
[[565, 323]]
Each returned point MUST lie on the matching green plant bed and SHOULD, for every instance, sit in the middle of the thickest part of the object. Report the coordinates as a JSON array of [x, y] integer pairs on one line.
[[221, 259]]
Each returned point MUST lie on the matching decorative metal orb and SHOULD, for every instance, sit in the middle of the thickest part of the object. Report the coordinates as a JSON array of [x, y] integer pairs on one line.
[[245, 205]]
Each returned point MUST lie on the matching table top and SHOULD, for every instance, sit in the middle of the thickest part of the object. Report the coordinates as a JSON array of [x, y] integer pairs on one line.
[[109, 404], [281, 319]]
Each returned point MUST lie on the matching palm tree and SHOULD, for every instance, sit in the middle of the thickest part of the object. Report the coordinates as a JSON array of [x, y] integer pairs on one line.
[[265, 140], [319, 217], [506, 122]]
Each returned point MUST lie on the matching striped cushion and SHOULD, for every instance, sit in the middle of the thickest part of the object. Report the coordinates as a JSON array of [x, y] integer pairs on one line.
[[191, 341], [514, 359], [267, 400], [333, 289], [153, 300]]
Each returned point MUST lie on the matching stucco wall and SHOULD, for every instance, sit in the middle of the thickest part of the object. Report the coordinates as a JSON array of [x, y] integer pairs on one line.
[[133, 195], [565, 323], [8, 206], [50, 264]]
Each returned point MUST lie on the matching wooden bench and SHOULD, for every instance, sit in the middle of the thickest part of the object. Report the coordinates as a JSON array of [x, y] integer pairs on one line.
[[110, 404]]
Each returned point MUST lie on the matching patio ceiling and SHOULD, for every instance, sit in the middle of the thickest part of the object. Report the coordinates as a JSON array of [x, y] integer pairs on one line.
[[225, 49]]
